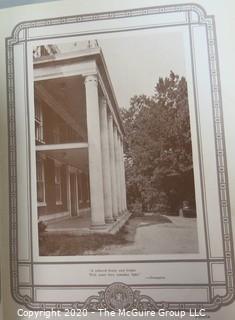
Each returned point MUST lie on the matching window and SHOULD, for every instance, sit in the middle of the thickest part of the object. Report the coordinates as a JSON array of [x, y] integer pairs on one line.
[[38, 123], [58, 186], [40, 182]]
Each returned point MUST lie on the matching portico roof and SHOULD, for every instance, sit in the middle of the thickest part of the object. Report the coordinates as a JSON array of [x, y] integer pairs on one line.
[[43, 69]]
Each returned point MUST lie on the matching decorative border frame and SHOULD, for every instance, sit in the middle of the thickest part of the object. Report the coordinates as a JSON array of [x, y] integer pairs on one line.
[[140, 302]]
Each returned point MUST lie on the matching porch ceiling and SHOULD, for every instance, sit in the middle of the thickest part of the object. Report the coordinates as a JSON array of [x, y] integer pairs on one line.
[[66, 96]]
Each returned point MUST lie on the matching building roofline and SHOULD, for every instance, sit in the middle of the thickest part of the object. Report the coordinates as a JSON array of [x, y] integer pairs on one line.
[[82, 55]]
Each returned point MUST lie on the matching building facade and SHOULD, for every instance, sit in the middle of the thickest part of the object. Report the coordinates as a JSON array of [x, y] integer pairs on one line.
[[78, 137]]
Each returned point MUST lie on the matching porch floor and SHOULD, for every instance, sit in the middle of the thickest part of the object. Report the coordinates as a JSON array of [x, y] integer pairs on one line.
[[82, 225]]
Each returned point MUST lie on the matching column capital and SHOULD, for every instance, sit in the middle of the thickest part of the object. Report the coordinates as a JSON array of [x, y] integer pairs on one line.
[[91, 78]]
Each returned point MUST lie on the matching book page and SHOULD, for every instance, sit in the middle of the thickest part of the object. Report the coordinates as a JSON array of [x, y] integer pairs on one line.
[[119, 161]]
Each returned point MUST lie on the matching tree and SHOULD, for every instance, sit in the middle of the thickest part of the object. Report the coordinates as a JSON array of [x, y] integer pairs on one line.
[[158, 144]]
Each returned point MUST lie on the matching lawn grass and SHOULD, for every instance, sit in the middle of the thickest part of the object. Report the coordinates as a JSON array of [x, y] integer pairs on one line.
[[54, 244]]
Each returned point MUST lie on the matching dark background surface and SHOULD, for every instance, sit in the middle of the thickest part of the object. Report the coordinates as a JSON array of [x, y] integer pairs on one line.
[[12, 3]]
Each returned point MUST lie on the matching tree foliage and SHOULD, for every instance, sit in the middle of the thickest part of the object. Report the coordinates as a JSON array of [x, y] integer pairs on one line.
[[158, 143]]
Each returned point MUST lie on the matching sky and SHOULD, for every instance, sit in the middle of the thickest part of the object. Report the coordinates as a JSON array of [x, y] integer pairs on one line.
[[136, 62], [136, 59]]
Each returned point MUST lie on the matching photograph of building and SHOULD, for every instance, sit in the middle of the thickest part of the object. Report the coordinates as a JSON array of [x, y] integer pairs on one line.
[[113, 150], [78, 141]]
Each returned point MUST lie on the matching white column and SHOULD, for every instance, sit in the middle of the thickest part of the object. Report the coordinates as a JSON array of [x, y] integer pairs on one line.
[[76, 188], [68, 190], [120, 173], [94, 151], [113, 169], [117, 169], [106, 161], [123, 177]]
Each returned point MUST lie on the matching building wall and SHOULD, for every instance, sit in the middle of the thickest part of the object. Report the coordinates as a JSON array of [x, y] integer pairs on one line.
[[54, 128], [51, 206], [50, 189], [83, 191]]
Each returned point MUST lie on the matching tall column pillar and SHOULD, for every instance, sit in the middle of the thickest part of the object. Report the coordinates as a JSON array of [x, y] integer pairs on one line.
[[123, 177], [76, 188], [68, 190], [106, 161], [94, 151], [117, 169], [120, 173], [113, 167]]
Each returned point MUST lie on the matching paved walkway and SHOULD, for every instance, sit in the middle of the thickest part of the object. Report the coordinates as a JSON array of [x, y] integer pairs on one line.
[[179, 235]]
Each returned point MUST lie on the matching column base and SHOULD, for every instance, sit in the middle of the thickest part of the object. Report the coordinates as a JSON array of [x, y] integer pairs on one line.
[[109, 220], [97, 226]]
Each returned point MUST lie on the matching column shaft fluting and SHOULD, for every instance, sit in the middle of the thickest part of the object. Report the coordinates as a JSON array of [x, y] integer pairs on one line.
[[113, 166], [76, 188], [120, 173], [68, 190], [94, 151], [106, 161], [117, 169], [123, 177]]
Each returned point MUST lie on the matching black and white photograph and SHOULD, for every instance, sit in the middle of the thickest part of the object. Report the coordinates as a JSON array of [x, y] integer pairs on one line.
[[114, 159]]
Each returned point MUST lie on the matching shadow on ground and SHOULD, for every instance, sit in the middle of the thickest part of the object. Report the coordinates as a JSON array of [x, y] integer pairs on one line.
[[54, 244]]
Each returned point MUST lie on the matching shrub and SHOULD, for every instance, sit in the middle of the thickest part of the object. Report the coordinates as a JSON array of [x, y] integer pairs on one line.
[[136, 209]]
